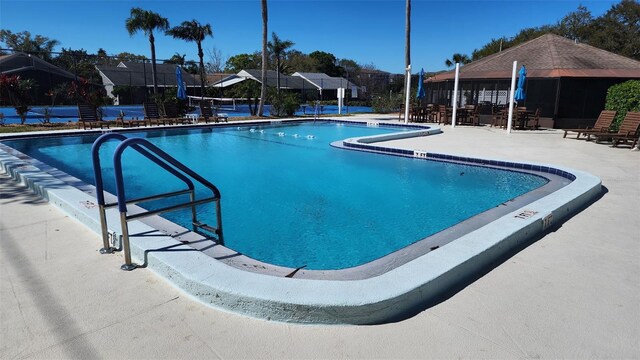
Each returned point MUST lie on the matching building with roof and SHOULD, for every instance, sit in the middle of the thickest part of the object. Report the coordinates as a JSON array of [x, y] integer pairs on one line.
[[568, 81], [137, 77], [286, 82], [328, 85], [305, 83], [46, 75]]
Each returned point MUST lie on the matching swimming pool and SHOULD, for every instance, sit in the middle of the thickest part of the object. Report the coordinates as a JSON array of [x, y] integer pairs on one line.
[[401, 281], [290, 199]]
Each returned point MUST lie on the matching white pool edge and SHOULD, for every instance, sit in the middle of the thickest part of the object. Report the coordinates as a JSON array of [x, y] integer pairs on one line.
[[373, 300]]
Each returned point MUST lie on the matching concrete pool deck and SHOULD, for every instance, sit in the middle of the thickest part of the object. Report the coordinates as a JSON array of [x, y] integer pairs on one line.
[[573, 293]]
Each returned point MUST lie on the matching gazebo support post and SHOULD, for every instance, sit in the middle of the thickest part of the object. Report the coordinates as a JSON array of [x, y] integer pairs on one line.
[[454, 104], [511, 95]]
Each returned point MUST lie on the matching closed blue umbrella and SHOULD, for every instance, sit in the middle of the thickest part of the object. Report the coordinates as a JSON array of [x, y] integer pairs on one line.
[[182, 91], [420, 94], [522, 77]]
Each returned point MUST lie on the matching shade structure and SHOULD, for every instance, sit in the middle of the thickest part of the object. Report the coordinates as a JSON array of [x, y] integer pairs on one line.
[[421, 94], [522, 78], [182, 91]]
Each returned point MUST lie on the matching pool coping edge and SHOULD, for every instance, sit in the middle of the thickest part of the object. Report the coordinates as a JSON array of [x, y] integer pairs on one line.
[[364, 301]]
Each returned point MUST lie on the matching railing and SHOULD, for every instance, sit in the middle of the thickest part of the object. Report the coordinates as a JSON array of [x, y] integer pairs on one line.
[[168, 163]]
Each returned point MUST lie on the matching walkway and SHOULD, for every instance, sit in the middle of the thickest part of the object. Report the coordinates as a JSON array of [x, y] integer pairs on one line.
[[573, 294]]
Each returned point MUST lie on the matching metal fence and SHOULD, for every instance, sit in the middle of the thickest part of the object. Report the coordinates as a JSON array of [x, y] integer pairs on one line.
[[129, 79]]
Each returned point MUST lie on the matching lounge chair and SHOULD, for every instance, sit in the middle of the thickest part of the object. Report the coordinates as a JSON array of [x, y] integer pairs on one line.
[[131, 122], [629, 131], [88, 116], [498, 118], [207, 113], [444, 115], [171, 113], [602, 125], [472, 117], [121, 121], [152, 114], [535, 118]]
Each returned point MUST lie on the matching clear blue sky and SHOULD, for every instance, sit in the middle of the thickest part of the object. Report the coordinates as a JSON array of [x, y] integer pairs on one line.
[[367, 31]]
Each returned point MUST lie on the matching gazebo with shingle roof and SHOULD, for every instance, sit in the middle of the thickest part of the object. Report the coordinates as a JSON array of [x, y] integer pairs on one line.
[[568, 81]]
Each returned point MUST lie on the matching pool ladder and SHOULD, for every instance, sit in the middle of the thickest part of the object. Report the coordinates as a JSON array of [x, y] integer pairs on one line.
[[168, 163]]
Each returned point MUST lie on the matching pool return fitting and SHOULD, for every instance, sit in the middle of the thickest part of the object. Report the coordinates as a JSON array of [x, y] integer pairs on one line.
[[166, 162]]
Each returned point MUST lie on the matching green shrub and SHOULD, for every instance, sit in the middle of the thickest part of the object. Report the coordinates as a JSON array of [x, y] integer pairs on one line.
[[623, 97], [385, 104], [284, 104]]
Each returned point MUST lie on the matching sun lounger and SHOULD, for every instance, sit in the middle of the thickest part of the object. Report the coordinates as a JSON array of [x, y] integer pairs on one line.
[[171, 113], [629, 131], [207, 113], [152, 114], [121, 121], [88, 116], [602, 125]]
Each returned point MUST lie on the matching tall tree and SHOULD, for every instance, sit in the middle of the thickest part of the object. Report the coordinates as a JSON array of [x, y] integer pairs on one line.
[[300, 61], [325, 63], [278, 48], [177, 58], [194, 31], [40, 45], [80, 63], [618, 30], [216, 61], [147, 21], [576, 25], [457, 58], [125, 56], [263, 76], [242, 62]]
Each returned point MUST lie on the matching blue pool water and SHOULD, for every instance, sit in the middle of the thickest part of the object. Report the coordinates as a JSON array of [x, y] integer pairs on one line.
[[292, 200], [70, 113]]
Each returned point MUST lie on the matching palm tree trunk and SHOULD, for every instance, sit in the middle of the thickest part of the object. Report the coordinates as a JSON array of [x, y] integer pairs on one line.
[[202, 78], [263, 88], [278, 74], [153, 63]]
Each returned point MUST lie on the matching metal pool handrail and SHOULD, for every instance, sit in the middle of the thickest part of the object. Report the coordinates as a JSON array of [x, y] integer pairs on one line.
[[168, 163], [97, 174]]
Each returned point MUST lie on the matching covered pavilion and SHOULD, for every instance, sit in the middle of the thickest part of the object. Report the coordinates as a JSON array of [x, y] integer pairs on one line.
[[567, 80]]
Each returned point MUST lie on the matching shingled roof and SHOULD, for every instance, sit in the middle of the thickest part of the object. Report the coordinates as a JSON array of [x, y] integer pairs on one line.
[[133, 74], [549, 56], [20, 62], [324, 81]]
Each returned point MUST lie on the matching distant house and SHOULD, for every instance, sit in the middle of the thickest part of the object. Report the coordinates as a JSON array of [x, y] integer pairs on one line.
[[46, 75], [568, 81], [286, 81], [374, 81], [328, 86], [309, 84], [138, 79]]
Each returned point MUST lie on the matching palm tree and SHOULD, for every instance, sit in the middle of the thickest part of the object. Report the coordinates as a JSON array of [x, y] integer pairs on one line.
[[177, 58], [278, 47], [147, 21], [263, 87], [193, 31], [457, 58]]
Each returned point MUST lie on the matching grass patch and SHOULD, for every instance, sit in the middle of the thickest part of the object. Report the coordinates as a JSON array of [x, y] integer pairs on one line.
[[17, 128]]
